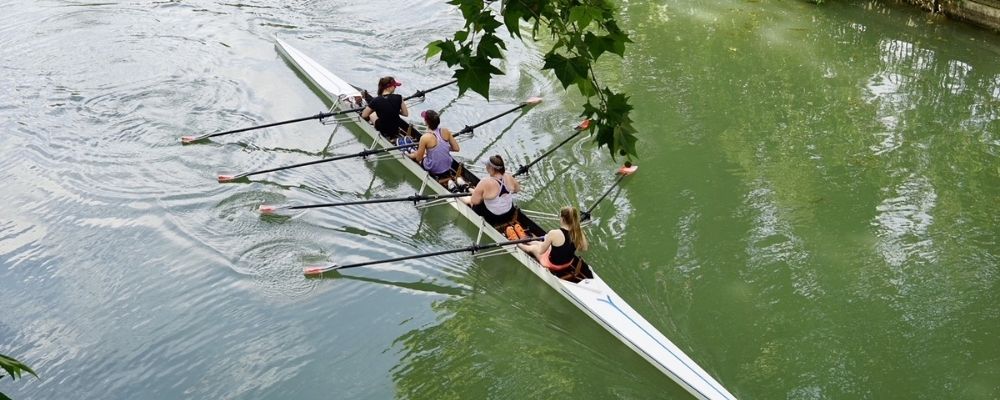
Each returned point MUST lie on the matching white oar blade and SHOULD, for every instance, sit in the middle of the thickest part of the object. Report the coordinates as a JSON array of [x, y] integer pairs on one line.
[[533, 101]]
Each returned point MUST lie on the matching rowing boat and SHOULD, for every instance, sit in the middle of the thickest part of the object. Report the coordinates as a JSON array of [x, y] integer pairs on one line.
[[588, 291]]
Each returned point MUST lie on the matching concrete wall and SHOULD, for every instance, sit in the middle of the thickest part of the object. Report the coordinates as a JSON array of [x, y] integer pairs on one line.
[[985, 13]]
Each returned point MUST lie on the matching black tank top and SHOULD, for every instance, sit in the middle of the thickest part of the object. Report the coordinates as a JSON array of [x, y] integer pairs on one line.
[[387, 107], [560, 255]]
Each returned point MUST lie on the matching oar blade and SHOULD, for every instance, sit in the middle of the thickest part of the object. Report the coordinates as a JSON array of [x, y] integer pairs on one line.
[[533, 101], [228, 177], [628, 169], [316, 270], [276, 210], [189, 139]]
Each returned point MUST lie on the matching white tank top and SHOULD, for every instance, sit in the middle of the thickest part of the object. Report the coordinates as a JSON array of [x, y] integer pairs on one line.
[[503, 202]]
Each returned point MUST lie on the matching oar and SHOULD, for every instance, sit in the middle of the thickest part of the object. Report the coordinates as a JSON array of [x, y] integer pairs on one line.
[[314, 271], [467, 129], [529, 102], [272, 209], [193, 138], [579, 128], [624, 171]]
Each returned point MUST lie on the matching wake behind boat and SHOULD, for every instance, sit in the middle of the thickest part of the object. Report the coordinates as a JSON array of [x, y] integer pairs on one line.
[[582, 287]]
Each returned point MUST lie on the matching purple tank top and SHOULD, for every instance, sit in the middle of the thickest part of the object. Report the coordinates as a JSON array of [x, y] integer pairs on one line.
[[437, 160]]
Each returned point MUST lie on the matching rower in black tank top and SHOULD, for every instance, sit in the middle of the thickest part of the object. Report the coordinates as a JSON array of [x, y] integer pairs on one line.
[[562, 255], [387, 108]]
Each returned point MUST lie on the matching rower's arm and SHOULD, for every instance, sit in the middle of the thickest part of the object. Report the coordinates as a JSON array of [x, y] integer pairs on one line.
[[366, 112], [545, 244], [512, 182], [451, 140], [404, 110], [477, 193], [421, 151]]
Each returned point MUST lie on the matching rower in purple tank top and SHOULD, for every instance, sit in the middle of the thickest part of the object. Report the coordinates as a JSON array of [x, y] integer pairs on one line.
[[435, 147]]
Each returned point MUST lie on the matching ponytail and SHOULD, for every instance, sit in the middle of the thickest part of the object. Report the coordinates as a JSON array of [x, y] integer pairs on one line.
[[571, 216]]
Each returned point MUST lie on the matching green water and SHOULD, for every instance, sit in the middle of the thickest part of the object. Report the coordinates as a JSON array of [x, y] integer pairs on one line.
[[814, 216]]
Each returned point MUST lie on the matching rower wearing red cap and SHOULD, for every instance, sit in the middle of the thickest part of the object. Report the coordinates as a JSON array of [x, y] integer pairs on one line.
[[387, 107]]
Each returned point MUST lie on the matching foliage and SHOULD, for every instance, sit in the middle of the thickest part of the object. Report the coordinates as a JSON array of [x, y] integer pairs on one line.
[[14, 369], [581, 32]]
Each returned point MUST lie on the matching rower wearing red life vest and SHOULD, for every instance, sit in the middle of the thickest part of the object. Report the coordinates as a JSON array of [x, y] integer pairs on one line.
[[558, 251]]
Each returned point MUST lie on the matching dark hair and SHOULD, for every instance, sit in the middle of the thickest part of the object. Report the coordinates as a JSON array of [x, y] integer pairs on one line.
[[432, 118], [496, 162], [384, 83]]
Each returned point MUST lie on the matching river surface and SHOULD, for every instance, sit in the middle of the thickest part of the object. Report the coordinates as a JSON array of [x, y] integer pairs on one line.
[[815, 215]]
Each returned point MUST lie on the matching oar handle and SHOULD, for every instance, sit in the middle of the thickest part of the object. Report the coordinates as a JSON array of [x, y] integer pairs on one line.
[[312, 271]]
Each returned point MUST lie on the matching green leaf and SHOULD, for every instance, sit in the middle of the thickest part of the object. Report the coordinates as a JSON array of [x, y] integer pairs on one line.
[[596, 45], [476, 76], [470, 8], [433, 48], [512, 19], [625, 140], [13, 367], [490, 46], [583, 15], [449, 54], [569, 71]]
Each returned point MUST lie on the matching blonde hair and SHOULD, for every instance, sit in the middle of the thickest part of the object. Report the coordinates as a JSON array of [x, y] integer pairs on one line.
[[571, 217]]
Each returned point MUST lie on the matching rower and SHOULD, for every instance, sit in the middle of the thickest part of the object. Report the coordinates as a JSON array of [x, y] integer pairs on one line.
[[558, 251], [434, 149], [493, 197], [388, 106]]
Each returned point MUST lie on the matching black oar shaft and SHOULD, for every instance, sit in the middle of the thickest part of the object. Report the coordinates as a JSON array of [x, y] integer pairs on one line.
[[414, 198], [470, 128], [420, 93], [291, 121], [524, 168], [473, 248], [324, 160], [586, 214]]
